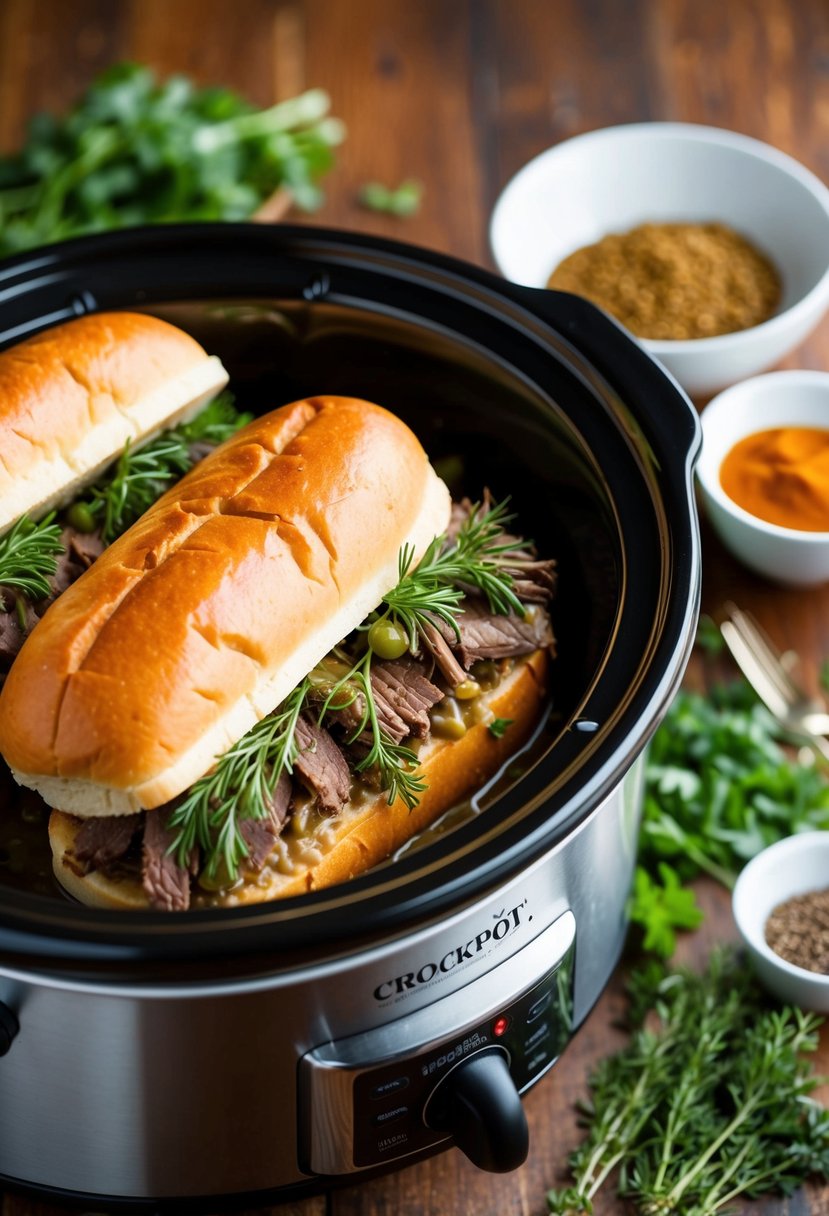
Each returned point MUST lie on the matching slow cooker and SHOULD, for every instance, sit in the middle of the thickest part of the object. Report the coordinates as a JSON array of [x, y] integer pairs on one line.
[[158, 1058]]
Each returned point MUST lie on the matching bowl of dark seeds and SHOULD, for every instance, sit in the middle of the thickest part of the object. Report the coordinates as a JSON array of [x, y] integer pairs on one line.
[[781, 906]]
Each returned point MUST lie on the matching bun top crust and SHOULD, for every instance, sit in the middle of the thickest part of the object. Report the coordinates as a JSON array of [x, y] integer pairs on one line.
[[72, 396], [202, 617]]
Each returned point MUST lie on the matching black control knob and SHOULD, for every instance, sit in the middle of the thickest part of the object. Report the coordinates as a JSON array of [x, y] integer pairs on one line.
[[8, 1028], [479, 1106]]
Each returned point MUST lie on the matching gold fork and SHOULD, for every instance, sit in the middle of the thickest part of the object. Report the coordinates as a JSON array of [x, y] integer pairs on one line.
[[767, 672]]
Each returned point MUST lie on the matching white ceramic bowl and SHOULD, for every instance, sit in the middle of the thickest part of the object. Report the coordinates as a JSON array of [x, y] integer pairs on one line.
[[614, 179], [798, 398], [791, 867]]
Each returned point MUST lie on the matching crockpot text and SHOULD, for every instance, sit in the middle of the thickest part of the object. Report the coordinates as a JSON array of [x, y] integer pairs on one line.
[[455, 957]]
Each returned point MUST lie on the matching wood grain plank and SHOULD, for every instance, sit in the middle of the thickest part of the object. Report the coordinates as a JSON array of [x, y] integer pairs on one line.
[[49, 51], [399, 76]]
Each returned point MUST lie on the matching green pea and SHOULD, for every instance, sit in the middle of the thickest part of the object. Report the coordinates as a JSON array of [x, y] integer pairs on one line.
[[217, 881], [467, 690], [387, 639], [81, 517], [448, 728]]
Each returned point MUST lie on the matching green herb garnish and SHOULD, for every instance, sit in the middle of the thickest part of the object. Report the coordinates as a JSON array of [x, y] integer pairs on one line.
[[403, 201], [141, 475], [133, 151], [710, 1105], [28, 556], [479, 556], [498, 727], [719, 788], [239, 787]]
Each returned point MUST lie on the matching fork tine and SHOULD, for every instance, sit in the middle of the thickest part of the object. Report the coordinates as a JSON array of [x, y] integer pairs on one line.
[[764, 652], [754, 670]]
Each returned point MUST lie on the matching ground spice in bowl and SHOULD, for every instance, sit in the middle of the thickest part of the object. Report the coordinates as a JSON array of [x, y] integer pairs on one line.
[[798, 930], [781, 475], [675, 281]]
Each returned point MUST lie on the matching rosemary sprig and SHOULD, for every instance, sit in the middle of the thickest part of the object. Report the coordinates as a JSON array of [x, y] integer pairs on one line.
[[239, 787], [480, 556], [396, 764], [141, 476], [28, 556]]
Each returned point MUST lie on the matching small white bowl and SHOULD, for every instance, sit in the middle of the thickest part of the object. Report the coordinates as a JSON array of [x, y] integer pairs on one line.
[[613, 179], [791, 867], [797, 398]]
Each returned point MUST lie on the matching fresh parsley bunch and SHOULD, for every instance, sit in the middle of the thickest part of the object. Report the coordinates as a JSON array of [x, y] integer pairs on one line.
[[719, 788], [135, 151]]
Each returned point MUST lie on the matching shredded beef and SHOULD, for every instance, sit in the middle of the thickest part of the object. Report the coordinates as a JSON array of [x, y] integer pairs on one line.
[[533, 578], [260, 835], [489, 635], [80, 550], [102, 841], [166, 883], [321, 765], [438, 646], [403, 696], [12, 636]]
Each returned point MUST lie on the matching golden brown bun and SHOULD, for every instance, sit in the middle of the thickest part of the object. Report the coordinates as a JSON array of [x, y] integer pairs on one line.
[[71, 397], [360, 836], [200, 619]]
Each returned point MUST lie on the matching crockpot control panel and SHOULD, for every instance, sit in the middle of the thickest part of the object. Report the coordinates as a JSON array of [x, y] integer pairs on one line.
[[451, 1070]]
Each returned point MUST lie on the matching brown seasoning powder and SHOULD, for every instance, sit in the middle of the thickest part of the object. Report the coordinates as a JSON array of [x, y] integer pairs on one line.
[[675, 281], [798, 930]]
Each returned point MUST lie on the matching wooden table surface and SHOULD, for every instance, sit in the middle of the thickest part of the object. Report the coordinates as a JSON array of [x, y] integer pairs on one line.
[[460, 93]]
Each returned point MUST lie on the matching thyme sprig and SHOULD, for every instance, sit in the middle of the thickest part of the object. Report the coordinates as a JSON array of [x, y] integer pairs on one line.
[[706, 1103], [28, 556], [140, 476], [239, 787]]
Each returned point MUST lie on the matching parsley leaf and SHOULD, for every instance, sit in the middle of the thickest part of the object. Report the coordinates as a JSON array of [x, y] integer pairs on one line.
[[661, 906], [498, 727]]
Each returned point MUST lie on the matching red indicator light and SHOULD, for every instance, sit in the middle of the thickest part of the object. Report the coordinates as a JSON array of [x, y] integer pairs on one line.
[[500, 1026]]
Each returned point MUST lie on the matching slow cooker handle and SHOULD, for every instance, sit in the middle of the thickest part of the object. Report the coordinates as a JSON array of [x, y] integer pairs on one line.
[[478, 1105]]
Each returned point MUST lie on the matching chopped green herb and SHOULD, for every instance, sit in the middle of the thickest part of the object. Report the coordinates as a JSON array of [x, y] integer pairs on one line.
[[498, 727], [719, 788], [403, 201], [135, 151]]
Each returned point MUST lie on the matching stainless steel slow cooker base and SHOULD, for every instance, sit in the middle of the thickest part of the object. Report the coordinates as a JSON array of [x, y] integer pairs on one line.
[[102, 1073], [221, 1054]]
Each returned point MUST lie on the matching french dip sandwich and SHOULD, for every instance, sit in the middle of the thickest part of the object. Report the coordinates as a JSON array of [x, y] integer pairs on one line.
[[295, 660], [97, 417], [72, 396]]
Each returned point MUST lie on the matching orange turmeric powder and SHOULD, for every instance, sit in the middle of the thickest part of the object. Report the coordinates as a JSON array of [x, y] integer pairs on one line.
[[781, 476]]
